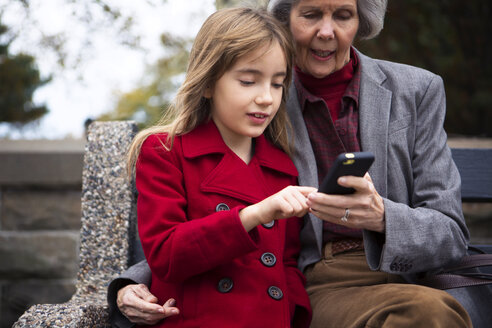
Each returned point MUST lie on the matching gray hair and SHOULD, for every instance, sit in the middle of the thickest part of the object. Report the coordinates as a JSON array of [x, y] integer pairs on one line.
[[371, 15]]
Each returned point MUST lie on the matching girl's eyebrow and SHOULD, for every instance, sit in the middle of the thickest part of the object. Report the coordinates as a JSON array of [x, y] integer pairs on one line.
[[258, 72]]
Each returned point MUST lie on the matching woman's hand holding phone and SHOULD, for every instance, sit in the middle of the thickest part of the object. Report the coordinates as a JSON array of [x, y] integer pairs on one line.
[[358, 195]]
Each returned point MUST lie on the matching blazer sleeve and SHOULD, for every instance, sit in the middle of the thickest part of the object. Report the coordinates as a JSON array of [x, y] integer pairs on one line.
[[169, 239], [138, 273], [429, 230]]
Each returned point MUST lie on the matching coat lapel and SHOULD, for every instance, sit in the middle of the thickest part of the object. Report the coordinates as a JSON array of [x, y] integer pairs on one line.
[[231, 176]]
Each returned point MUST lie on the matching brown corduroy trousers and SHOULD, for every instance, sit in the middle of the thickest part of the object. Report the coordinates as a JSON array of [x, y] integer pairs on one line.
[[345, 293]]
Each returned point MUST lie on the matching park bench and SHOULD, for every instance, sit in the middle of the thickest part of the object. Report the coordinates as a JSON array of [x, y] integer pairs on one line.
[[108, 239]]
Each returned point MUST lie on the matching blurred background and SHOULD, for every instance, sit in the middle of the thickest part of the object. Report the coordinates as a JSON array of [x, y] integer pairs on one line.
[[65, 63]]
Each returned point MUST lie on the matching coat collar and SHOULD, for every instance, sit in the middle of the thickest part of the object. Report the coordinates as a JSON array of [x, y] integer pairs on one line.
[[206, 139]]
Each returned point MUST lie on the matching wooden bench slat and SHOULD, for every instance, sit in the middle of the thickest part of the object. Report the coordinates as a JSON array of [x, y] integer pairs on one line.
[[475, 166]]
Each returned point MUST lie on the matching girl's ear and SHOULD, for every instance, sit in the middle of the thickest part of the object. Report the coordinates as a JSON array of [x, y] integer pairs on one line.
[[208, 93]]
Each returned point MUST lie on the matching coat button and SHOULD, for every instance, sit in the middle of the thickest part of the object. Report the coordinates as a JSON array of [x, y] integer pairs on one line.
[[225, 285], [269, 225], [268, 259], [275, 293], [221, 207]]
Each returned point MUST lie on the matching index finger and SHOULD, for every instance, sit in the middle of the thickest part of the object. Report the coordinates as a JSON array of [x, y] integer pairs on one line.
[[306, 190]]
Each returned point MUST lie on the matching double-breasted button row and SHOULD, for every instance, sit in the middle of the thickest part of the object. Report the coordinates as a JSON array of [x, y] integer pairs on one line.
[[268, 259], [275, 293], [225, 207], [225, 285]]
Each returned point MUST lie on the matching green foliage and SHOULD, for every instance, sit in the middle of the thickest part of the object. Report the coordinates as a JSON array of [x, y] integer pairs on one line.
[[447, 37], [450, 38], [19, 79], [146, 103]]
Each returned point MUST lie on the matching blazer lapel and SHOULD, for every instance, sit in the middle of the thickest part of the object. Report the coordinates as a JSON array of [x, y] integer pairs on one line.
[[305, 162], [374, 111]]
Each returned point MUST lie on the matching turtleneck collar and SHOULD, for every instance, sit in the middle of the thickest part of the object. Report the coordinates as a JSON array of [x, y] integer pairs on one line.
[[333, 85]]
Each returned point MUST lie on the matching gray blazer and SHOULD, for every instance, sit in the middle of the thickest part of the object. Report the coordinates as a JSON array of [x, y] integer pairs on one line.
[[401, 116]]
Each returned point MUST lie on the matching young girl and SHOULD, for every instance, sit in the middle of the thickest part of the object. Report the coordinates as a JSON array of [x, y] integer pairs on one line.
[[214, 183]]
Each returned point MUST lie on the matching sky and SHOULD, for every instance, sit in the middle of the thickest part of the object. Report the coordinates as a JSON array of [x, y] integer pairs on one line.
[[109, 69]]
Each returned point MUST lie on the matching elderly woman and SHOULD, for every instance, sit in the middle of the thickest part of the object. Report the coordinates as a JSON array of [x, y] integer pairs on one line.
[[405, 216]]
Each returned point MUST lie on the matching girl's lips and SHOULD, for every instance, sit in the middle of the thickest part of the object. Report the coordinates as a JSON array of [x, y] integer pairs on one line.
[[258, 118], [322, 55]]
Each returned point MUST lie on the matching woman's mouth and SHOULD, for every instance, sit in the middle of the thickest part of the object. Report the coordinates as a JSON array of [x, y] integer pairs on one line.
[[322, 54]]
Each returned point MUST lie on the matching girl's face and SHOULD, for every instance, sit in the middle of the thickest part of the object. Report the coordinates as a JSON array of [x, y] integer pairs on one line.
[[246, 98], [323, 32]]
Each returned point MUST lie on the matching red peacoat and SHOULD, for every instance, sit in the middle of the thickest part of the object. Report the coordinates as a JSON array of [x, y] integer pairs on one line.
[[198, 250]]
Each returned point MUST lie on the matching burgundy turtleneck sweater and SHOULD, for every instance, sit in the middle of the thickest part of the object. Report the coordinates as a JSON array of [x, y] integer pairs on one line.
[[331, 88], [332, 126]]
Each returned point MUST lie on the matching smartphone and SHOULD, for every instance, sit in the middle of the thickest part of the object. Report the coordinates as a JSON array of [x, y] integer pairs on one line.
[[356, 164]]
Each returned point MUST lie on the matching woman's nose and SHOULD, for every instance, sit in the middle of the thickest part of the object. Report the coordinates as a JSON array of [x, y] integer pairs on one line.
[[325, 30]]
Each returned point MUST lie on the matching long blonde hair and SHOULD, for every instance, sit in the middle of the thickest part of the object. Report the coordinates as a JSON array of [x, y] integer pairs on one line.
[[226, 36]]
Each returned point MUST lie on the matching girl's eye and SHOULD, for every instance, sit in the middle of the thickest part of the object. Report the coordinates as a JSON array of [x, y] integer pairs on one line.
[[277, 85], [243, 82]]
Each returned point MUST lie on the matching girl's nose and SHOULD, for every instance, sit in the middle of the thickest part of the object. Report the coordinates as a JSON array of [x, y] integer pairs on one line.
[[265, 97]]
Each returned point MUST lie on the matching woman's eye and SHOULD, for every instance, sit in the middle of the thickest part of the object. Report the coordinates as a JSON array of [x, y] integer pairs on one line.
[[344, 15], [310, 15]]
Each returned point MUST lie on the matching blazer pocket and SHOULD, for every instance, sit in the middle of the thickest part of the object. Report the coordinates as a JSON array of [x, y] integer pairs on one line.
[[399, 124]]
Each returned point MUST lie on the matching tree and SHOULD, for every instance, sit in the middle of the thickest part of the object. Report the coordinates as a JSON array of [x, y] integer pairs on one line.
[[19, 79], [446, 37], [449, 38], [145, 103]]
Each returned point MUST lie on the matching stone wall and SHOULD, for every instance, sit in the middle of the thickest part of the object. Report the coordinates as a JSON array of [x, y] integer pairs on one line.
[[40, 191]]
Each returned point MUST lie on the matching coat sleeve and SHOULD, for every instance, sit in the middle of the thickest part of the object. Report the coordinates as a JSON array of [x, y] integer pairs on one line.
[[176, 247], [430, 230], [299, 304]]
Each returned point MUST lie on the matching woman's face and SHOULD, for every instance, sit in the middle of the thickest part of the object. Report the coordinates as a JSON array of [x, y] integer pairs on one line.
[[323, 32]]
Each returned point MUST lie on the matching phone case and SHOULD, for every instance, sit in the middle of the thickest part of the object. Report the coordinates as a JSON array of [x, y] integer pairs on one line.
[[355, 164]]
